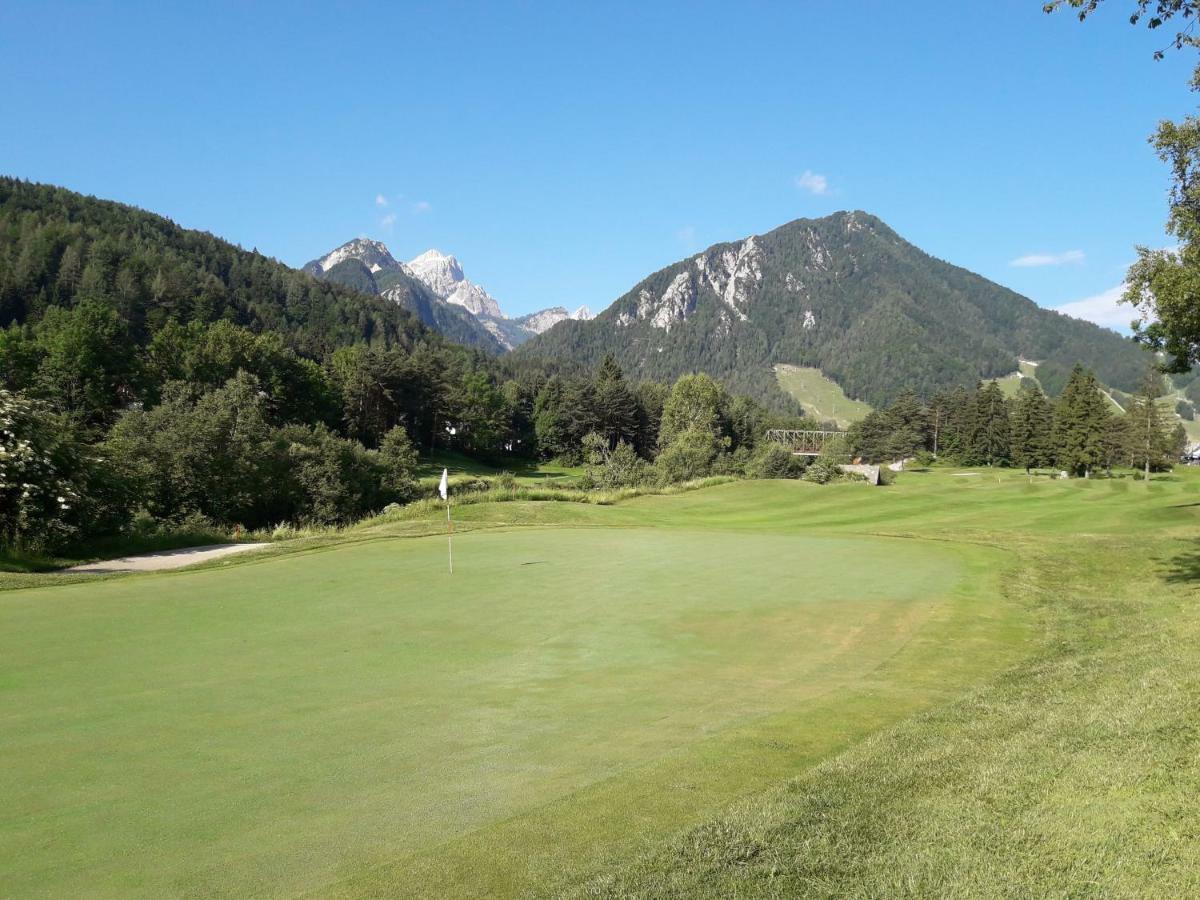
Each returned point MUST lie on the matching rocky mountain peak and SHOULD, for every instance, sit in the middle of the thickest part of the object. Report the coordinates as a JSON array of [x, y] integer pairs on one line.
[[443, 275], [372, 254]]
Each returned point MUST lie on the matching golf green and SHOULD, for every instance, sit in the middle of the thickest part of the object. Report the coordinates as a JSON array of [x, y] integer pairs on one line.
[[357, 720]]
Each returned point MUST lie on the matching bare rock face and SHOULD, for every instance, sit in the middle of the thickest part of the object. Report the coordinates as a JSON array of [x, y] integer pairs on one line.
[[442, 276], [545, 319], [372, 254]]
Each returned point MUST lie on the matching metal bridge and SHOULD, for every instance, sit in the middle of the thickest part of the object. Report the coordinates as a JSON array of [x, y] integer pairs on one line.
[[803, 443]]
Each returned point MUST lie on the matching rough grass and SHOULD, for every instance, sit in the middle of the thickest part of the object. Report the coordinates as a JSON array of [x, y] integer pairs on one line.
[[822, 398], [17, 562], [465, 468]]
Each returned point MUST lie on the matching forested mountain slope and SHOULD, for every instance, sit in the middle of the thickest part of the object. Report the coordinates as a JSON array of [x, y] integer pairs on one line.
[[844, 294], [58, 247]]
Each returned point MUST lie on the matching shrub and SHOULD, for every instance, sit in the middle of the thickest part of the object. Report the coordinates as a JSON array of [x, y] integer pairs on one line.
[[771, 460], [826, 467], [51, 490], [331, 479], [610, 467], [822, 471], [690, 455]]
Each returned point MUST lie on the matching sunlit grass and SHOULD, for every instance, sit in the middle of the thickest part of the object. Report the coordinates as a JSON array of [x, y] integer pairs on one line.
[[953, 685]]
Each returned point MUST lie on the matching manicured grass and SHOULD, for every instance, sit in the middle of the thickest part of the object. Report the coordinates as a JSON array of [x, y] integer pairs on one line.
[[821, 397], [1074, 774], [955, 685], [354, 719]]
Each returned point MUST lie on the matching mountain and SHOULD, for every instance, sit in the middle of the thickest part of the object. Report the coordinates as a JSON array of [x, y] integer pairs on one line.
[[434, 286], [368, 266], [372, 254], [59, 248], [844, 294], [444, 276], [545, 319]]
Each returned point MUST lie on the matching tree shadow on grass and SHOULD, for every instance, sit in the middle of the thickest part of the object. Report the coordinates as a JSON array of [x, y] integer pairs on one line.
[[1183, 568]]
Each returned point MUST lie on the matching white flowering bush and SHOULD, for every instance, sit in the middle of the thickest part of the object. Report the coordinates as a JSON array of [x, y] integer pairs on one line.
[[38, 495]]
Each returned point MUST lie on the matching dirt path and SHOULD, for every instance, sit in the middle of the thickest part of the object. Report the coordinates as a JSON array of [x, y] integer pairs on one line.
[[165, 559]]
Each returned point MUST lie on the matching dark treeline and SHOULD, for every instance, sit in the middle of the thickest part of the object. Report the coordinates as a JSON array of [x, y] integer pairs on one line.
[[1080, 432], [151, 373], [231, 428]]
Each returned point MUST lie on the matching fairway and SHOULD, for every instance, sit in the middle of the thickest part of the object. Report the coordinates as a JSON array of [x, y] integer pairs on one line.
[[355, 719]]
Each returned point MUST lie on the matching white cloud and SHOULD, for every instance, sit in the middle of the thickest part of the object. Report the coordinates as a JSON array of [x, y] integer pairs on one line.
[[422, 206], [1103, 309], [381, 200], [686, 235], [388, 221], [812, 182], [1034, 260]]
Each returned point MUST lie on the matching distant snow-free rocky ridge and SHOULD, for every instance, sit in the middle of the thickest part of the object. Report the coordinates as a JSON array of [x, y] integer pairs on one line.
[[430, 282]]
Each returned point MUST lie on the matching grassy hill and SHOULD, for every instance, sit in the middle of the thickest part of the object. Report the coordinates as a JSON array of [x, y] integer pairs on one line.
[[965, 683]]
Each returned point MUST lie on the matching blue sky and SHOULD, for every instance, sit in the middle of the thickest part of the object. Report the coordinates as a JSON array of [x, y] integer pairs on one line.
[[565, 150]]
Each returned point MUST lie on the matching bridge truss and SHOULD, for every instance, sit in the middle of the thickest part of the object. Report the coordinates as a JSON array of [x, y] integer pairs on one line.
[[803, 443]]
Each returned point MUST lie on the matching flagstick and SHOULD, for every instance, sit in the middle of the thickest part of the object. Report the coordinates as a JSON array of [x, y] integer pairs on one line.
[[449, 536]]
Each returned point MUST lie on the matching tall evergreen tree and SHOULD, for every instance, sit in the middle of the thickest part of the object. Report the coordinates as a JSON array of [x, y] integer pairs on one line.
[[871, 436], [1032, 422], [987, 439], [909, 422], [615, 405], [1147, 431], [948, 422], [1080, 421], [650, 395]]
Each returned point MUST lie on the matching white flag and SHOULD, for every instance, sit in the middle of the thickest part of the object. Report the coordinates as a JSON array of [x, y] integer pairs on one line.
[[445, 485]]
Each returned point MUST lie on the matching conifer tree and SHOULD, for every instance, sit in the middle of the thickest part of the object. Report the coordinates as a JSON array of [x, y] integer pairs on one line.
[[1031, 424], [615, 404], [1080, 422], [1148, 432], [987, 427], [1179, 441], [948, 422], [1117, 444], [550, 421], [909, 422]]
